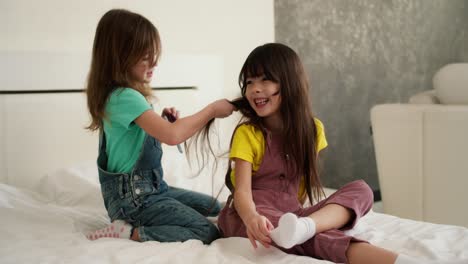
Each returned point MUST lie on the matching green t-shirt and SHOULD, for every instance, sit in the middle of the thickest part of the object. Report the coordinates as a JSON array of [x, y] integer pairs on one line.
[[124, 138]]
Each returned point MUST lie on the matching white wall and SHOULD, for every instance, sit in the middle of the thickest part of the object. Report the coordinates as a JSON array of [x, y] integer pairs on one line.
[[220, 33], [229, 29]]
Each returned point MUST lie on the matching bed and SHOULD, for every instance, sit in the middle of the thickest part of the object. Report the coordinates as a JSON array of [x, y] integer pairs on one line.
[[48, 225], [50, 196]]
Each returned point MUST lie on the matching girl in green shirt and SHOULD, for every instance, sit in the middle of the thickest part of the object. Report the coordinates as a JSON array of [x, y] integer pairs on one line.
[[140, 204]]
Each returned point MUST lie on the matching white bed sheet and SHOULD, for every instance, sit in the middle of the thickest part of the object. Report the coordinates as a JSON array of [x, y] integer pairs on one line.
[[48, 225]]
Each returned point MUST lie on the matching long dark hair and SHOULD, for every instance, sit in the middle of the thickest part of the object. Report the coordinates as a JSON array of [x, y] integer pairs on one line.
[[281, 64], [122, 38]]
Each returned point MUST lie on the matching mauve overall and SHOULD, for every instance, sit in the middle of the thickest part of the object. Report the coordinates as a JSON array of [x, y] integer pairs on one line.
[[274, 189], [143, 199]]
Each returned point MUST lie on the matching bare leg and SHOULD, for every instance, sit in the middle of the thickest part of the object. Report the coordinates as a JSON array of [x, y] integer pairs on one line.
[[364, 253], [331, 216], [334, 216]]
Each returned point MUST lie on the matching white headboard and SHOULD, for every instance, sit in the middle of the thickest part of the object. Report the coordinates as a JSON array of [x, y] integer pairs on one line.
[[43, 113]]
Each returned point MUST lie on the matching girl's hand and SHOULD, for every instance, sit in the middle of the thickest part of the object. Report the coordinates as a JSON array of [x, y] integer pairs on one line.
[[222, 108], [258, 228], [171, 113]]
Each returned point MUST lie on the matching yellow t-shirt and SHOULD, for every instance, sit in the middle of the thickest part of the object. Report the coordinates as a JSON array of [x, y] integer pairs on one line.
[[248, 144]]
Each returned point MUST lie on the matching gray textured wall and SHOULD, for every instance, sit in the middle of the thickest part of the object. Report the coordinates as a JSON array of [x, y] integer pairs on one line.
[[359, 53], [464, 49]]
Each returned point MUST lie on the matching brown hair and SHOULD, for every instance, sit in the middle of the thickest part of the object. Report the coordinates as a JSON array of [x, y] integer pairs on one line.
[[122, 38]]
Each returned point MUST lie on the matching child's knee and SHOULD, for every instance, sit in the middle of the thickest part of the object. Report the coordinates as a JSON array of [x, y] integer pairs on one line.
[[366, 194], [361, 192]]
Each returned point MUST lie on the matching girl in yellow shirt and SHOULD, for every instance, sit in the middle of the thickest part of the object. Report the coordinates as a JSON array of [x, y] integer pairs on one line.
[[274, 169]]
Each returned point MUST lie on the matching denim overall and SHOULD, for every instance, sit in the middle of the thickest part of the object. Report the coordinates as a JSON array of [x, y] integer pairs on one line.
[[274, 190], [143, 199]]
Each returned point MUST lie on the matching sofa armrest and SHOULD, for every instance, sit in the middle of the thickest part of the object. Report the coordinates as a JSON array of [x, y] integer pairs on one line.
[[422, 160], [397, 141], [426, 97]]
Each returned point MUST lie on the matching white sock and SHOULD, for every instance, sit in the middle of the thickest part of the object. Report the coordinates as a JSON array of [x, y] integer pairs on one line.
[[117, 229], [403, 259], [293, 231]]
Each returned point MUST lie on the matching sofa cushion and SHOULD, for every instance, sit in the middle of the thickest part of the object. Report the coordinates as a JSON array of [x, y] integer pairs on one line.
[[451, 84]]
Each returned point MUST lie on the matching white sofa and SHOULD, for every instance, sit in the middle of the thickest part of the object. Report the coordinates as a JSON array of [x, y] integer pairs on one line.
[[422, 151]]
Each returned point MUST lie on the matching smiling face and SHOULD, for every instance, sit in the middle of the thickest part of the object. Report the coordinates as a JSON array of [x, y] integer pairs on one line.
[[264, 97], [143, 71]]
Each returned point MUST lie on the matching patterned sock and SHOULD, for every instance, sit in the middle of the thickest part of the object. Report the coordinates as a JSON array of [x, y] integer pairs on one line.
[[293, 231], [117, 229], [403, 259]]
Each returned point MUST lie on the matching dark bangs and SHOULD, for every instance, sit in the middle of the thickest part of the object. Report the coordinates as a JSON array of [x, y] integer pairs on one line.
[[258, 63]]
